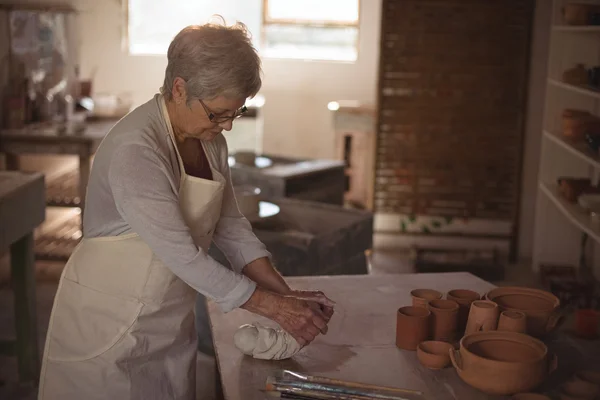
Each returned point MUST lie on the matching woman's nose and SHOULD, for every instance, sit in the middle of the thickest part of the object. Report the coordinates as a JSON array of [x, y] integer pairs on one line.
[[227, 125]]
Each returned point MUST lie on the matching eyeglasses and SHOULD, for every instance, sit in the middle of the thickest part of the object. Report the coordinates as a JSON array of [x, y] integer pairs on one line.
[[219, 119]]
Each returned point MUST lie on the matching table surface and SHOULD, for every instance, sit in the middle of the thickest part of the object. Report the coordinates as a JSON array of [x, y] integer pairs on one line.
[[13, 181], [22, 205], [360, 345], [76, 132]]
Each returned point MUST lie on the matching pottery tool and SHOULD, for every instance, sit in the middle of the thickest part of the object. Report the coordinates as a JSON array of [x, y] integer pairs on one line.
[[339, 382], [284, 393], [317, 395], [333, 389], [288, 395]]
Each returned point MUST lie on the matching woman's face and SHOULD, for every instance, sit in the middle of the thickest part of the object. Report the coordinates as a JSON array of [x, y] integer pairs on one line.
[[192, 120]]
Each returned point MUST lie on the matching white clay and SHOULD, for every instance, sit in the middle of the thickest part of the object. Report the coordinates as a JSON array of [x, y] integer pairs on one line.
[[265, 343]]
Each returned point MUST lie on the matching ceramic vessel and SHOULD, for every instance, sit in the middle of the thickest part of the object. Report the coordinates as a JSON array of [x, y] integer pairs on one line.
[[590, 375], [434, 354], [530, 396], [444, 319], [512, 321], [540, 307], [412, 327], [248, 198], [502, 363], [420, 297], [464, 298], [581, 388], [483, 316]]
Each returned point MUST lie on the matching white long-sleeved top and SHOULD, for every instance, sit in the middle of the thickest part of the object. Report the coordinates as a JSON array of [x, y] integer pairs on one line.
[[134, 187]]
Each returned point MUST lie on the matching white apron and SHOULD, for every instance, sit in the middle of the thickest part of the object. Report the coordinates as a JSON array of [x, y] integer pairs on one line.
[[122, 325]]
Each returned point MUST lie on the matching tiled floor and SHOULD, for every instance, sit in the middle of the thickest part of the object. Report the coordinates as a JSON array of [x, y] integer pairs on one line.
[[382, 262]]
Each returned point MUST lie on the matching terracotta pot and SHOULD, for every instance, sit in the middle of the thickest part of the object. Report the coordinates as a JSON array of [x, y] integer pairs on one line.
[[576, 14], [248, 198], [434, 354], [530, 396], [586, 323], [483, 316], [581, 388], [502, 363], [512, 321], [420, 297], [412, 327], [540, 307], [464, 298], [444, 319], [567, 396], [590, 375]]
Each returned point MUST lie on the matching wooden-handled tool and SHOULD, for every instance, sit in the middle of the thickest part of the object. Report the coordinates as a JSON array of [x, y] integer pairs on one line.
[[338, 382]]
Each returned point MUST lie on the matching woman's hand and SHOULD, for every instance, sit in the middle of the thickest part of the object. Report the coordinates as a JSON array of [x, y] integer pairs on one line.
[[317, 301], [303, 314]]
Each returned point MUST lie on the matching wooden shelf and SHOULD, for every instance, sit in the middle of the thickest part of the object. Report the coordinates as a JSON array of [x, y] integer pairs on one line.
[[63, 191], [579, 149], [580, 29], [57, 239], [585, 90], [575, 214]]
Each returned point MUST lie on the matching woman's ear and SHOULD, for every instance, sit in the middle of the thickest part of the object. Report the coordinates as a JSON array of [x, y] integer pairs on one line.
[[179, 92]]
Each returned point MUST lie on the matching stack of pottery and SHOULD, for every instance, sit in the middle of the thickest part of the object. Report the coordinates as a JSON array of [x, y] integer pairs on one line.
[[430, 326], [502, 363], [584, 385], [498, 354], [540, 307]]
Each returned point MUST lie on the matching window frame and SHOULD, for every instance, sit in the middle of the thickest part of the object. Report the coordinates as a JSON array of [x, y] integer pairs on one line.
[[266, 20]]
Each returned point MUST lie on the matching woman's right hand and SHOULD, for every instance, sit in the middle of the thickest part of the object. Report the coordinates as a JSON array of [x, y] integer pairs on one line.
[[300, 317]]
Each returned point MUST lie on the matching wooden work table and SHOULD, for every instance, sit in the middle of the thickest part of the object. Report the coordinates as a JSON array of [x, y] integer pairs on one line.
[[360, 345], [22, 209], [79, 139]]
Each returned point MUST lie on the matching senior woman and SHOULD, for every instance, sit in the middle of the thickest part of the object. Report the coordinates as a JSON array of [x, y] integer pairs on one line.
[[160, 192]]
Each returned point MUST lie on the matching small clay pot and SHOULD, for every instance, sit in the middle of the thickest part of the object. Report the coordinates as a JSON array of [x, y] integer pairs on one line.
[[590, 375], [530, 396], [412, 327], [444, 319], [464, 298], [420, 297], [434, 354], [512, 321], [483, 316], [581, 388]]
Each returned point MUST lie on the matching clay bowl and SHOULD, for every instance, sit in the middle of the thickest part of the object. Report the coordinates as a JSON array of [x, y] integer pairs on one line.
[[530, 396], [420, 297], [463, 297], [580, 388], [434, 354], [590, 375], [540, 307], [502, 363]]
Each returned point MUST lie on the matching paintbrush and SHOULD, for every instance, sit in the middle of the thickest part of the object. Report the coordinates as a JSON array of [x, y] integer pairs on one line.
[[338, 382], [318, 395], [287, 395], [339, 390]]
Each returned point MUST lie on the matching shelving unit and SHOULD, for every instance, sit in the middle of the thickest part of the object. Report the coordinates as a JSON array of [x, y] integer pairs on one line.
[[559, 224]]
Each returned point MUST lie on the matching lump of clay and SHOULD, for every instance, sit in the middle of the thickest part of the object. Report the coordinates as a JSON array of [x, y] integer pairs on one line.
[[265, 343]]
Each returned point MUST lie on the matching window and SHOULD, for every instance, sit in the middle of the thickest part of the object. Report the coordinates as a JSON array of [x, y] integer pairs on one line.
[[311, 29], [307, 29], [152, 24]]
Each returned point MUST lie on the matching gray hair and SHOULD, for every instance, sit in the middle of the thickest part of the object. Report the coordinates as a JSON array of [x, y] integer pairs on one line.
[[214, 60]]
